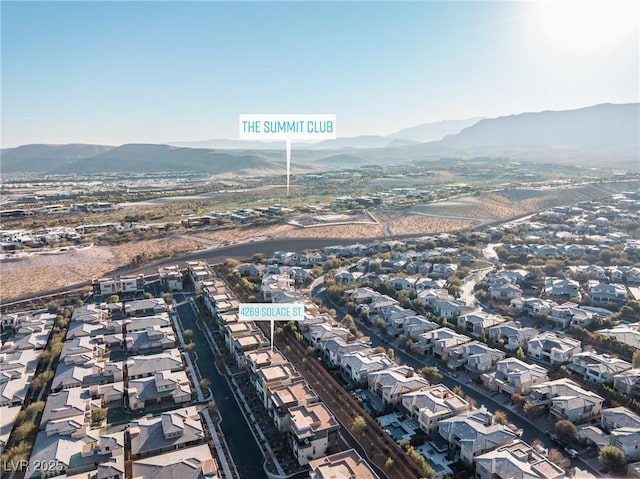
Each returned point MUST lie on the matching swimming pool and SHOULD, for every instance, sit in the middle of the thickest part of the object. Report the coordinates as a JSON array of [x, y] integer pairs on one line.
[[396, 431]]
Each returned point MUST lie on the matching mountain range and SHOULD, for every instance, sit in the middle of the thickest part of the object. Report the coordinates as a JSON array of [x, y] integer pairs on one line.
[[606, 132]]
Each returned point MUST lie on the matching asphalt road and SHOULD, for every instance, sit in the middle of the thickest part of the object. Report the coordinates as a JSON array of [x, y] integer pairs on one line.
[[246, 454]]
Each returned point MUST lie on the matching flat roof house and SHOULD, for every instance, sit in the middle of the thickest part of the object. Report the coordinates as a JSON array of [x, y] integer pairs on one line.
[[313, 432]]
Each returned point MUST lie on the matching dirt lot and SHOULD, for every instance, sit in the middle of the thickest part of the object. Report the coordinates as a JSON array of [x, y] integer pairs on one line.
[[39, 273], [45, 272]]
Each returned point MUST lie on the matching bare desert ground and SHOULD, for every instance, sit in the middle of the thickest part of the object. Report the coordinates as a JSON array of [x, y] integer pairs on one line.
[[39, 273]]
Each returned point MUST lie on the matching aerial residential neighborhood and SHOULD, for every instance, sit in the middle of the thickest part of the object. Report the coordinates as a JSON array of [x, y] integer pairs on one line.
[[320, 240], [462, 369]]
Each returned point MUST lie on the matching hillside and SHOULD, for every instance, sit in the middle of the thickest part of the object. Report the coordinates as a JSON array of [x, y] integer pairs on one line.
[[434, 131], [133, 158], [601, 125], [44, 158]]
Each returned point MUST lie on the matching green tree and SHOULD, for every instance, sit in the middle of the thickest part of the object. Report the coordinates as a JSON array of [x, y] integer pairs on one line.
[[500, 417], [41, 379], [348, 323], [358, 425], [388, 464], [204, 383], [231, 263], [378, 350], [258, 257], [34, 408], [191, 347], [529, 409], [566, 431], [79, 303], [45, 357], [187, 334], [148, 295], [114, 298], [52, 307], [167, 297], [14, 457], [60, 322], [23, 431], [98, 415], [612, 459], [520, 354], [430, 374], [517, 399], [391, 353]]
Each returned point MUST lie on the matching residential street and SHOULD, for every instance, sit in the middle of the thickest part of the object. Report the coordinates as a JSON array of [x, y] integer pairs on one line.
[[247, 456]]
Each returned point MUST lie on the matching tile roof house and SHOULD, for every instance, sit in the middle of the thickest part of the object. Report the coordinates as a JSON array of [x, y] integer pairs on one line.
[[505, 292], [153, 337], [513, 376], [162, 386], [512, 335], [552, 348], [358, 365], [570, 313], [474, 433], [628, 382], [516, 460], [169, 431], [477, 322], [65, 404], [450, 308], [414, 326], [391, 384], [561, 288], [627, 334], [143, 366], [433, 404], [597, 368], [76, 453], [566, 400], [191, 463], [533, 306], [475, 357], [623, 427], [610, 293], [440, 341], [323, 331], [335, 348]]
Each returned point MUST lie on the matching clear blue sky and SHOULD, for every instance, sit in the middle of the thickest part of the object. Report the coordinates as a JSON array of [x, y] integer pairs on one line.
[[120, 72]]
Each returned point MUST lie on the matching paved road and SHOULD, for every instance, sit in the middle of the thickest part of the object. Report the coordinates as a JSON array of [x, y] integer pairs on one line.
[[467, 293], [247, 456]]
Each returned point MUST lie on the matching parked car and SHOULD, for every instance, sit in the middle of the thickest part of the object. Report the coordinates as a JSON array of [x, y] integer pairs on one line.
[[572, 452]]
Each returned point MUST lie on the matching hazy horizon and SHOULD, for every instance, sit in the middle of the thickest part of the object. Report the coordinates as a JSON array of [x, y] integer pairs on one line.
[[113, 73]]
